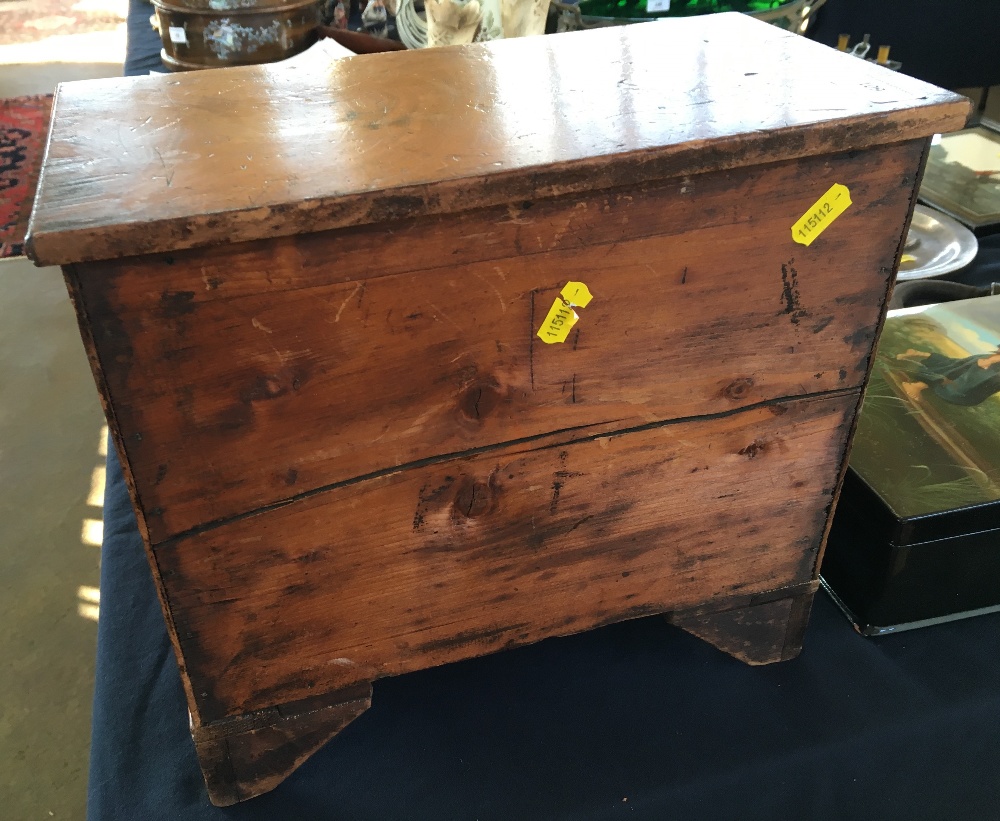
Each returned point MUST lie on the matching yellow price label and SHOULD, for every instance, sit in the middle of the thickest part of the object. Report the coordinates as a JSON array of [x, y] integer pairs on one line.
[[561, 318], [823, 212], [576, 294], [559, 321], [906, 258]]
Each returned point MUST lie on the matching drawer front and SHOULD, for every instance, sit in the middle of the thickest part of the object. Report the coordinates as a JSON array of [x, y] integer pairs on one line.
[[248, 376], [468, 556]]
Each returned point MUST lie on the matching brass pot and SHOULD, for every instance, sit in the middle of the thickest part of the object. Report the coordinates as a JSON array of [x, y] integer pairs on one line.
[[218, 33]]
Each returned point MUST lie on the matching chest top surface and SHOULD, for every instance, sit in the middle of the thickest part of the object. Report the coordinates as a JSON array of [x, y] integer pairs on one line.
[[161, 163]]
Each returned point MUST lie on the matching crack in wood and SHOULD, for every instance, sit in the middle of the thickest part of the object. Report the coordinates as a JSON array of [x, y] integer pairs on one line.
[[527, 440]]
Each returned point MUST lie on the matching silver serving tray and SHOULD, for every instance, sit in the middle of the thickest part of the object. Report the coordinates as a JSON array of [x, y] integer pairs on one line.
[[935, 245]]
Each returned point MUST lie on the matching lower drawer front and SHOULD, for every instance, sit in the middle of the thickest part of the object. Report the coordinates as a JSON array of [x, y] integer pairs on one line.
[[468, 556]]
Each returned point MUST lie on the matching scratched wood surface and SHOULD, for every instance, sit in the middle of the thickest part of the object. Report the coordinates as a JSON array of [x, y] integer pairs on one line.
[[270, 371], [500, 549], [161, 163]]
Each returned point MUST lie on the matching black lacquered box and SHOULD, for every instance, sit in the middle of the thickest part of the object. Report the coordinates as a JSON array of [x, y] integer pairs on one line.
[[916, 536]]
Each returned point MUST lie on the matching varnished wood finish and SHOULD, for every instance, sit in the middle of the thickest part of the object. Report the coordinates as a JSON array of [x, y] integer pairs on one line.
[[312, 315], [258, 152], [344, 358]]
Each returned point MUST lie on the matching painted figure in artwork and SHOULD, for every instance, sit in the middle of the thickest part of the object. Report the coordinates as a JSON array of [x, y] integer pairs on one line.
[[966, 381]]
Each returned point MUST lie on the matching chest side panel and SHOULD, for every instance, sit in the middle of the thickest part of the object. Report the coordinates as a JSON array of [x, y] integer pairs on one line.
[[249, 376], [484, 552]]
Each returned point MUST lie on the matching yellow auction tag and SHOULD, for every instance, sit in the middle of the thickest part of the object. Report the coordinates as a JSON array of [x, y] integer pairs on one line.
[[903, 260], [558, 322], [576, 294], [561, 317], [824, 211]]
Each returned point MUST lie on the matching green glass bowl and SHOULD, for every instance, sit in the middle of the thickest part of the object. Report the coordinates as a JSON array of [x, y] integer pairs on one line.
[[793, 15]]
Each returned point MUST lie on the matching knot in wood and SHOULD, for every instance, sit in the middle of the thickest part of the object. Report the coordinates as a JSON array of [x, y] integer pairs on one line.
[[473, 499], [738, 388], [479, 400]]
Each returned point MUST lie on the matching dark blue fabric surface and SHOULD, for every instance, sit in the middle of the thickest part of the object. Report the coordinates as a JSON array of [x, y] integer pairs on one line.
[[904, 727], [951, 43], [637, 720], [143, 51], [975, 280], [985, 269]]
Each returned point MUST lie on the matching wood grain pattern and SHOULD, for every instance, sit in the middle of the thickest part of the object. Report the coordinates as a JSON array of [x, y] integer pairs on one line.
[[135, 166], [439, 563], [321, 378]]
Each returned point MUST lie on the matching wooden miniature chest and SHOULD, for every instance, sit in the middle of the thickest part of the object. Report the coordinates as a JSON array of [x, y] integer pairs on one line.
[[430, 354]]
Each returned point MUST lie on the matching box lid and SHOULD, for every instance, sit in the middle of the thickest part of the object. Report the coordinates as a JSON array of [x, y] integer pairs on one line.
[[928, 436], [159, 163]]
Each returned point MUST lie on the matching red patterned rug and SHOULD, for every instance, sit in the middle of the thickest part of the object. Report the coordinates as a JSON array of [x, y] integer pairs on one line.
[[28, 21], [24, 124]]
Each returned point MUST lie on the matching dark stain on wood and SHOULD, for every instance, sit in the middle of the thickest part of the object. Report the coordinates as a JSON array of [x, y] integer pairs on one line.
[[790, 293], [175, 304], [554, 504], [823, 323], [396, 206], [753, 449], [429, 497], [860, 339], [531, 340], [462, 640]]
